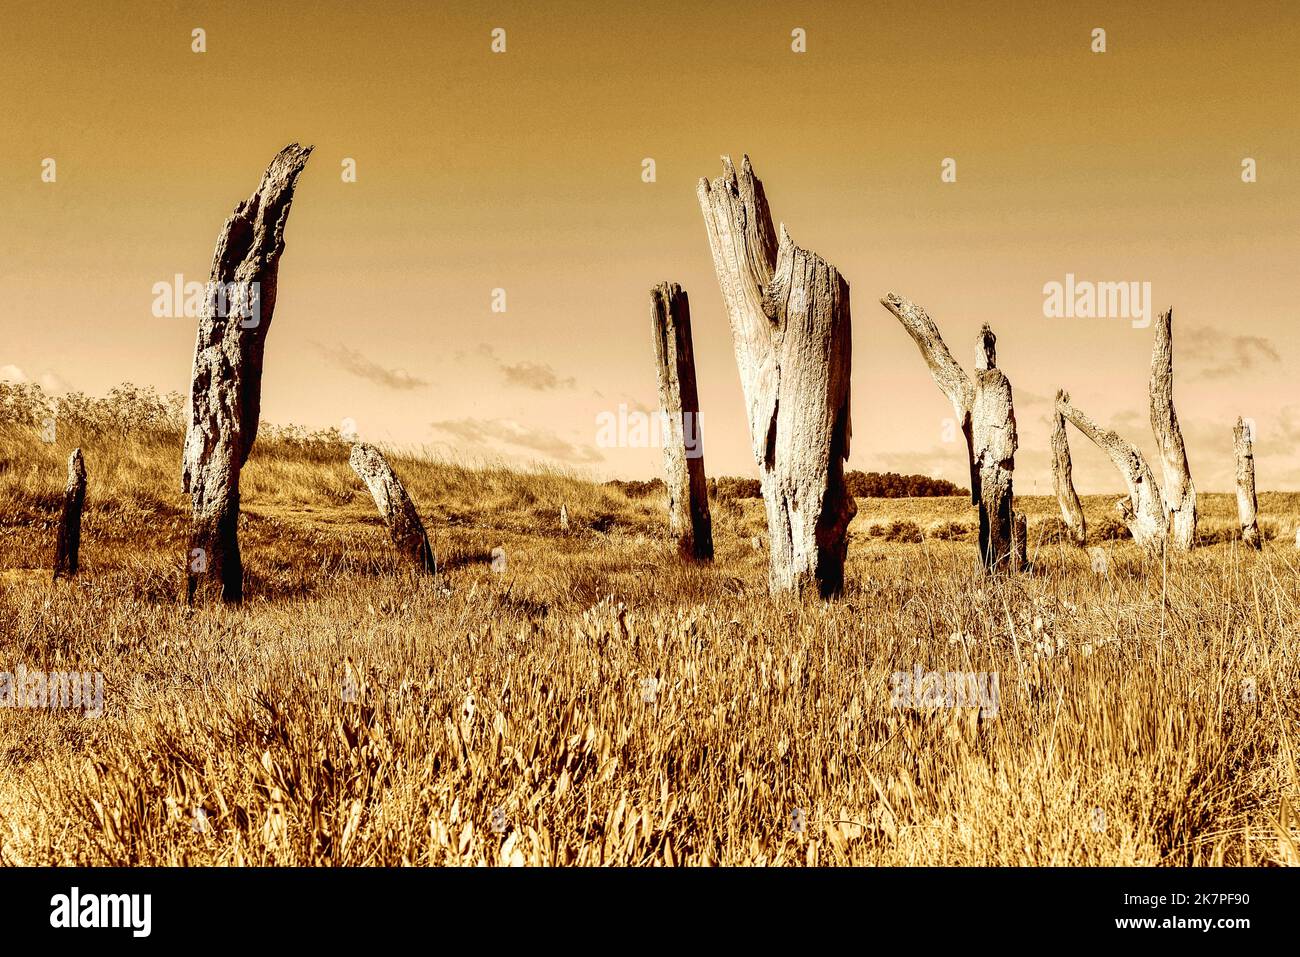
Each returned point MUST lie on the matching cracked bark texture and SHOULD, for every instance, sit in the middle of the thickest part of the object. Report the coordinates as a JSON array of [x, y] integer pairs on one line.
[[1063, 479], [1179, 492], [1244, 446], [985, 408], [226, 390], [792, 332], [67, 547], [688, 490], [993, 444], [395, 506], [1020, 536], [1144, 509]]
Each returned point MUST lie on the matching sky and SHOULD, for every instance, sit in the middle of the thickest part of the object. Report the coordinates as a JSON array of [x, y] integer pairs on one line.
[[524, 171]]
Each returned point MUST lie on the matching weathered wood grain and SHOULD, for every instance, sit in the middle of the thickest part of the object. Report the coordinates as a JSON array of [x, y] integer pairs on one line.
[[688, 493], [792, 333], [67, 547], [395, 506], [226, 388]]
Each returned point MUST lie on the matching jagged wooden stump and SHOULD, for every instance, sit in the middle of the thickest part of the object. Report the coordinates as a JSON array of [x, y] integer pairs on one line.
[[985, 408], [226, 389], [1063, 479], [68, 545], [792, 333], [688, 498], [1179, 492], [1244, 447]]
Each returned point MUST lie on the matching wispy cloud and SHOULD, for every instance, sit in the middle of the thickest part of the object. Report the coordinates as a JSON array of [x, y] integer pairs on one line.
[[1221, 356], [349, 360], [538, 376], [945, 460], [50, 382], [510, 432], [1026, 399]]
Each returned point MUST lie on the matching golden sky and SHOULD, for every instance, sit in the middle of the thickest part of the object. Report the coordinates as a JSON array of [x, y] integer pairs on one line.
[[523, 171]]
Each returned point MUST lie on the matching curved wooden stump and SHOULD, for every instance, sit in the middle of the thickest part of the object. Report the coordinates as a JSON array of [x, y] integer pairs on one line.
[[394, 505], [1144, 510], [68, 545], [792, 332], [226, 391], [683, 441], [985, 408]]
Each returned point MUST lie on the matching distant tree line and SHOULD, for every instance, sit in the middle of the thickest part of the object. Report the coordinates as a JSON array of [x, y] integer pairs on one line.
[[893, 485], [860, 484]]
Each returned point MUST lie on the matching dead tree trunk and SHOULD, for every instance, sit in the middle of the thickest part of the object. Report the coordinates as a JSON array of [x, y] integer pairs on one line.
[[1063, 479], [1244, 445], [683, 441], [394, 505], [68, 544], [1179, 492], [994, 442], [1144, 510], [226, 393], [790, 324], [985, 409]]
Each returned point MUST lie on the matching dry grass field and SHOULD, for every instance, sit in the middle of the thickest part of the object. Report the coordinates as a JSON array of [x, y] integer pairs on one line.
[[597, 701]]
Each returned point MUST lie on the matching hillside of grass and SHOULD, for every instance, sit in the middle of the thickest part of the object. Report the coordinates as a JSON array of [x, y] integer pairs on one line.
[[595, 700]]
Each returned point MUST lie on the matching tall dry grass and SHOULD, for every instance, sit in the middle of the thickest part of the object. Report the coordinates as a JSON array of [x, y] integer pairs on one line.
[[351, 714]]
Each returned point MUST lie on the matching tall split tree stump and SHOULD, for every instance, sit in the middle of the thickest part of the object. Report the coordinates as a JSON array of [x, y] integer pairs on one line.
[[683, 440], [226, 391], [792, 332]]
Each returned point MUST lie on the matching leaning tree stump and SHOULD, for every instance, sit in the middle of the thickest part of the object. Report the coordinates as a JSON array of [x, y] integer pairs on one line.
[[68, 544], [984, 407], [792, 332], [226, 392], [395, 506], [1179, 492], [1244, 446], [1144, 510], [683, 441], [1063, 479]]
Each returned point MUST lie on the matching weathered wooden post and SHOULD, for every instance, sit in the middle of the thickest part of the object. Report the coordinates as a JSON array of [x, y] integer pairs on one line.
[[792, 332], [394, 506], [1063, 479], [1243, 442], [68, 544], [1144, 510], [683, 440], [985, 409], [1179, 492], [226, 392], [993, 434], [1020, 542]]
